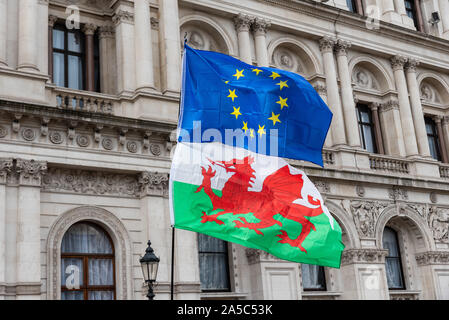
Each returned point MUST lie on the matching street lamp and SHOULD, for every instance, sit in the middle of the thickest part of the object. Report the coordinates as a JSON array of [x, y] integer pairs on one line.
[[149, 263]]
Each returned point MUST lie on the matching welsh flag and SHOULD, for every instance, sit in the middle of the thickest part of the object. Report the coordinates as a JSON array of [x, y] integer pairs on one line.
[[228, 177]]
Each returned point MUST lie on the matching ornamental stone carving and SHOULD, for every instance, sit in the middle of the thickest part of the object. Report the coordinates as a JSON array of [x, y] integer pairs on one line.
[[396, 193], [260, 26], [322, 186], [82, 140], [327, 44], [365, 214], [389, 105], [107, 143], [30, 171], [90, 182], [432, 257], [3, 131], [352, 256], [123, 16], [438, 220], [341, 47], [106, 32], [242, 22], [360, 190], [89, 29], [155, 149], [398, 62], [28, 134], [6, 166], [56, 137], [132, 146], [256, 256], [411, 65], [153, 184]]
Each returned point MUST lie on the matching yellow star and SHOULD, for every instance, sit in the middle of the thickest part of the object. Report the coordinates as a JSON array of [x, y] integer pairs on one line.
[[232, 94], [282, 84], [257, 71], [227, 81], [236, 112], [282, 102], [274, 75], [274, 118], [251, 133], [238, 73], [261, 130], [245, 126]]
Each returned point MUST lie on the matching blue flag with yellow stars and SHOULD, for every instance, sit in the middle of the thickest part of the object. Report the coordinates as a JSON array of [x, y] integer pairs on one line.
[[264, 110]]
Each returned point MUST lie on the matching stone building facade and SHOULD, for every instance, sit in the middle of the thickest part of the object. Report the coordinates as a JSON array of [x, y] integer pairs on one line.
[[89, 94]]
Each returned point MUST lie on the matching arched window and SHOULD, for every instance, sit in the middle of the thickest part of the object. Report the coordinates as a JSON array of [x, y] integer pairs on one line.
[[393, 264], [87, 263], [214, 266], [313, 277]]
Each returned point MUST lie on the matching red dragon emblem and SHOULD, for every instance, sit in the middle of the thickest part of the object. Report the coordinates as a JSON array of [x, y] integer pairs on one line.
[[278, 192]]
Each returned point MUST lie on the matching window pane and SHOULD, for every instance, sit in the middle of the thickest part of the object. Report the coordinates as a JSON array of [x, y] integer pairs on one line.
[[351, 5], [72, 273], [74, 42], [390, 242], [72, 295], [58, 69], [75, 68], [58, 39], [313, 277], [214, 272], [365, 116], [433, 147], [86, 238], [369, 139], [101, 272], [394, 273], [101, 295], [211, 244]]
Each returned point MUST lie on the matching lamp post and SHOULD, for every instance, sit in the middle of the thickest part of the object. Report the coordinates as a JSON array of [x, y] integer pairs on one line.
[[149, 263]]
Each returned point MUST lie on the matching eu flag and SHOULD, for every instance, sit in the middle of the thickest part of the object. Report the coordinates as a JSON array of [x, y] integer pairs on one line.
[[265, 108]]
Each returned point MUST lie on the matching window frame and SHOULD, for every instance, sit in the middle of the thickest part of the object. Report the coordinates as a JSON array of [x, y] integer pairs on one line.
[[370, 124], [398, 258], [86, 288], [414, 12], [228, 269], [434, 136], [66, 52], [322, 271]]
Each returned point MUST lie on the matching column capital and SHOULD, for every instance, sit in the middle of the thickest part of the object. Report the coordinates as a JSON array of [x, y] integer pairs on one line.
[[341, 47], [30, 171], [242, 22], [89, 29], [353, 256], [438, 119], [320, 88], [153, 183], [106, 32], [52, 20], [398, 62], [411, 65], [389, 105], [327, 44], [122, 16], [260, 26], [6, 165], [445, 120], [374, 106]]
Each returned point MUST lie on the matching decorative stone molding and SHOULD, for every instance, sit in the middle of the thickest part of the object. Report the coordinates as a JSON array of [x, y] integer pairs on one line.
[[389, 105], [83, 140], [90, 182], [3, 131], [120, 238], [411, 65], [89, 29], [106, 32], [30, 171], [352, 256], [322, 186], [154, 23], [123, 16], [396, 193], [6, 166], [398, 62], [365, 214], [341, 47], [432, 257], [52, 20], [438, 221], [256, 256], [401, 295], [28, 134], [153, 184], [260, 26], [360, 191], [327, 44], [320, 88], [433, 197], [242, 22]]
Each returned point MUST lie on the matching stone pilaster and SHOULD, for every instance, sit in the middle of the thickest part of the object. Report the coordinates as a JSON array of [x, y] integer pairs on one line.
[[27, 37], [391, 128], [144, 51], [260, 27], [347, 95], [444, 15], [3, 31], [443, 147], [379, 141], [108, 64], [6, 166], [89, 31], [408, 130], [242, 24], [333, 96]]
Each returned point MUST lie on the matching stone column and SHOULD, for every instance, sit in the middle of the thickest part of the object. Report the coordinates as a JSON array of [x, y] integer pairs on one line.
[[108, 64], [42, 40], [359, 7], [242, 24], [5, 168], [170, 46], [260, 30], [51, 23], [89, 31], [443, 148], [419, 16], [3, 31], [144, 51], [124, 43], [392, 129], [347, 96], [444, 16], [333, 97], [417, 113], [379, 141], [28, 227], [27, 36], [445, 128], [408, 129]]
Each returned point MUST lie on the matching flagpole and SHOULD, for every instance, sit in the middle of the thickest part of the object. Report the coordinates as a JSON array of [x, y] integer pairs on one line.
[[172, 276]]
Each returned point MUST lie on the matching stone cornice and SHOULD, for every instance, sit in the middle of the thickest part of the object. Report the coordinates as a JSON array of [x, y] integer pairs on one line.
[[432, 257], [352, 256]]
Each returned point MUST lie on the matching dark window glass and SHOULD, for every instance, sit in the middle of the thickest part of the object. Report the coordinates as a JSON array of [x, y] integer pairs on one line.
[[214, 266], [393, 264], [411, 11], [433, 138], [313, 277], [87, 264], [366, 128], [351, 5]]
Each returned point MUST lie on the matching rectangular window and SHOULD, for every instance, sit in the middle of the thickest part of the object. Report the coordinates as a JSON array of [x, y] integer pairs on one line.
[[366, 128], [352, 6], [214, 266], [432, 138], [393, 265], [411, 11], [313, 277]]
